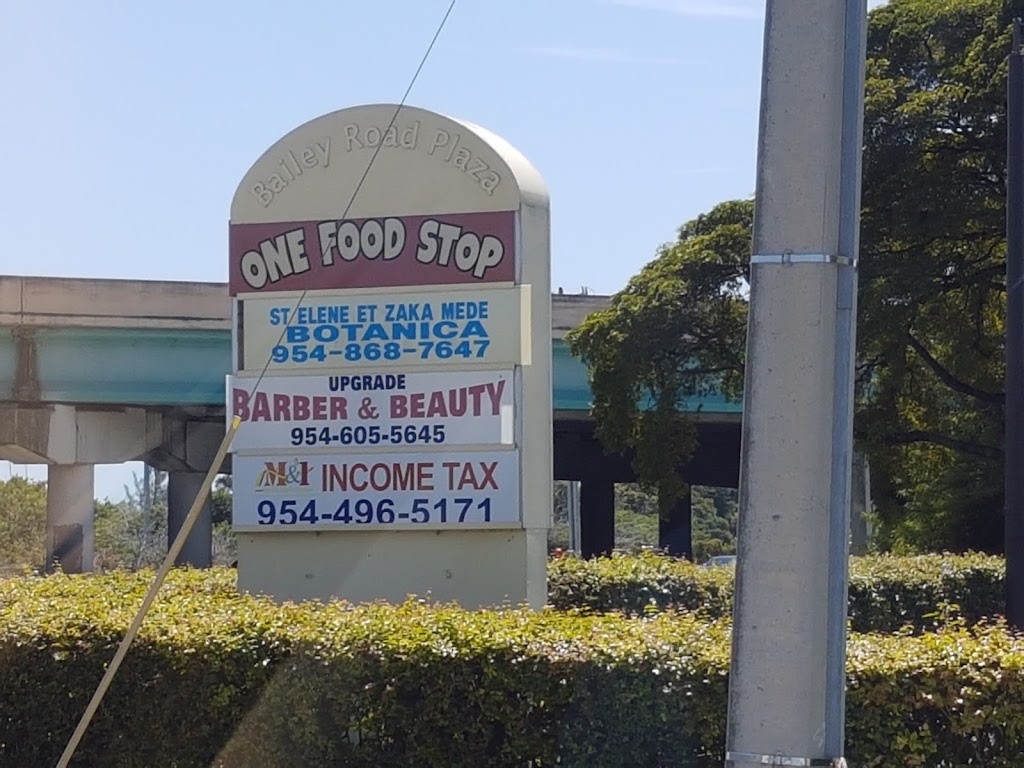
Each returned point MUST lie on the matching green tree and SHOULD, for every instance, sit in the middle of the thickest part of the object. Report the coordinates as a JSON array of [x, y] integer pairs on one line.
[[133, 533], [630, 497], [224, 542], [220, 500], [636, 518], [674, 333], [22, 523], [714, 522], [932, 290], [932, 271], [558, 535]]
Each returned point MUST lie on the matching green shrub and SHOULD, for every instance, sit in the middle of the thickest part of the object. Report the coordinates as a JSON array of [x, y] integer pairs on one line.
[[638, 583], [220, 680], [886, 592], [946, 698], [217, 679]]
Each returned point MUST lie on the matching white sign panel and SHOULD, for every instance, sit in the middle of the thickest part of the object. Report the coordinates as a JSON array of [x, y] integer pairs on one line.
[[476, 489], [355, 411], [334, 331]]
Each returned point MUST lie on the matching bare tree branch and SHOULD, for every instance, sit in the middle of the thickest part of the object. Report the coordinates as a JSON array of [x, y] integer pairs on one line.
[[963, 446], [949, 379]]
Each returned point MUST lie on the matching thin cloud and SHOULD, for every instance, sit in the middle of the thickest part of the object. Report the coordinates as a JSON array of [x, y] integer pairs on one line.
[[721, 9], [698, 171], [609, 55], [724, 9]]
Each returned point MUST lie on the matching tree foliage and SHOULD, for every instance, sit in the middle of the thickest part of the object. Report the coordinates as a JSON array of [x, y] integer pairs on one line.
[[715, 514], [933, 267], [132, 533], [22, 523], [932, 290], [673, 334]]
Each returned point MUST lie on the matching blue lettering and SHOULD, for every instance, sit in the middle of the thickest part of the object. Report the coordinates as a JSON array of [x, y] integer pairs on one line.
[[351, 331], [474, 328], [403, 331], [375, 331], [464, 310], [326, 333], [321, 315], [440, 333], [423, 330]]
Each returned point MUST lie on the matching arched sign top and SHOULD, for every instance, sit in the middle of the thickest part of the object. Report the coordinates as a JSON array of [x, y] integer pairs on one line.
[[428, 164], [532, 189]]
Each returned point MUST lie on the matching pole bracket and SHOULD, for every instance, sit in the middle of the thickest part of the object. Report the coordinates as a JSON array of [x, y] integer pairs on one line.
[[749, 758], [788, 257]]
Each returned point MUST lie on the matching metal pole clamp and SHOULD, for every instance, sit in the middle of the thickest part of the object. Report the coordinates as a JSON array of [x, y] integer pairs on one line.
[[788, 257], [749, 758]]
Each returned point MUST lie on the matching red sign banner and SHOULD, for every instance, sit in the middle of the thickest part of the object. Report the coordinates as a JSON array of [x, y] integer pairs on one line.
[[382, 252]]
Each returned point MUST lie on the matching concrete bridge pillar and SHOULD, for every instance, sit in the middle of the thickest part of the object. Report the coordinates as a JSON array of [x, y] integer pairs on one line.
[[70, 508], [71, 440], [860, 505], [675, 534], [597, 508], [186, 452], [182, 489]]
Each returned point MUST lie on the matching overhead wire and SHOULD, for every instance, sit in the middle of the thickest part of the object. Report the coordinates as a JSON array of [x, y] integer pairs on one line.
[[359, 185], [179, 542]]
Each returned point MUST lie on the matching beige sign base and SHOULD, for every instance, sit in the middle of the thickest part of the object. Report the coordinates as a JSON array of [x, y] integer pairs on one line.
[[476, 569]]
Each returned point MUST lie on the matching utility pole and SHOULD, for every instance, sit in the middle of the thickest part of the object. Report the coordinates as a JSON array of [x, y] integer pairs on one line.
[[787, 684], [1014, 426]]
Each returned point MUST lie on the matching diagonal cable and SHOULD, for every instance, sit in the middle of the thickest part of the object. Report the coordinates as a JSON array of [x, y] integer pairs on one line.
[[204, 491]]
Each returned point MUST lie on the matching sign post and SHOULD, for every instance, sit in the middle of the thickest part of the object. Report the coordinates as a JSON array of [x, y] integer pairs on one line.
[[392, 364]]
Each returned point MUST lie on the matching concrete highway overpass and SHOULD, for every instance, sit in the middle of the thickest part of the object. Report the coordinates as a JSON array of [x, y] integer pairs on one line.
[[107, 371]]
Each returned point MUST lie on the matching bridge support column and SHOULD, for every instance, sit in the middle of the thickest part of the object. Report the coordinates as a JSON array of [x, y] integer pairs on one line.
[[597, 516], [675, 535], [70, 509], [860, 506], [182, 489]]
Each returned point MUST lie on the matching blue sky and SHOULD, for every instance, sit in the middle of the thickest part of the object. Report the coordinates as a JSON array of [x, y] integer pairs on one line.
[[128, 125]]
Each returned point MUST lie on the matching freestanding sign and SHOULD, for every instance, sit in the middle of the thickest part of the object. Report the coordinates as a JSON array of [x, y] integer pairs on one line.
[[399, 440]]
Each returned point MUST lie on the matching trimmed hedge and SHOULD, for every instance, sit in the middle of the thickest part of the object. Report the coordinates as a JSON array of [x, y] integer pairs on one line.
[[887, 593], [224, 680]]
